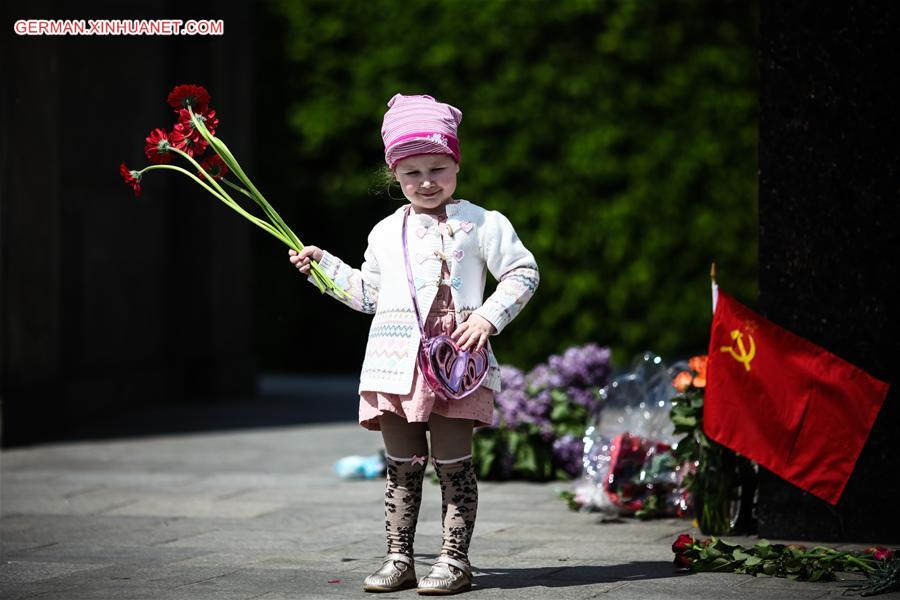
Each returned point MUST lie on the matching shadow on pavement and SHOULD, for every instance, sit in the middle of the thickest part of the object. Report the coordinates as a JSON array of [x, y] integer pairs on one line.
[[555, 576]]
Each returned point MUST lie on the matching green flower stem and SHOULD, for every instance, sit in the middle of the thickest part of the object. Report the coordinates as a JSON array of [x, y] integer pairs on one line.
[[291, 241], [320, 278], [298, 246], [256, 221], [210, 178], [257, 195], [228, 158], [847, 559], [223, 194], [861, 563], [223, 151], [238, 188]]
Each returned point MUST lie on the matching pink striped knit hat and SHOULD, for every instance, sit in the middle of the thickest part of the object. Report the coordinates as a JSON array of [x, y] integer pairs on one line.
[[419, 125]]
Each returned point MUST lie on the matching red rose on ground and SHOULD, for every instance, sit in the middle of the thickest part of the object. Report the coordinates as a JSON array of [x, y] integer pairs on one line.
[[132, 178], [682, 542], [157, 148], [880, 553], [682, 561], [186, 95]]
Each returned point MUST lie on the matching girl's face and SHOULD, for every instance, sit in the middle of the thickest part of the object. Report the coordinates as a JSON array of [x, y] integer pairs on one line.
[[428, 181]]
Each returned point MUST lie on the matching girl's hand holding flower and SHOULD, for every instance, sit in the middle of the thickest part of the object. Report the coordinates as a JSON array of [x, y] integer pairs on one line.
[[473, 332], [302, 259]]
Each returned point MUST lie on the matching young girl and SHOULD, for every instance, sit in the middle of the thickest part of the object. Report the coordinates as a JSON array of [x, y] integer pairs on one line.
[[450, 243]]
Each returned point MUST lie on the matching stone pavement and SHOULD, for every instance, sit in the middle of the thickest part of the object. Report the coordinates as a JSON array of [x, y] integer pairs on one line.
[[258, 514]]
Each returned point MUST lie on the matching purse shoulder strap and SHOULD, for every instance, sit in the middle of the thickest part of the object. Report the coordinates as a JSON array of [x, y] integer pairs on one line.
[[409, 277]]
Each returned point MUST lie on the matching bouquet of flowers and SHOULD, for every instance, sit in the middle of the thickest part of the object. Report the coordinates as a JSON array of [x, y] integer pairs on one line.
[[190, 137], [644, 477], [723, 483], [629, 462], [540, 417]]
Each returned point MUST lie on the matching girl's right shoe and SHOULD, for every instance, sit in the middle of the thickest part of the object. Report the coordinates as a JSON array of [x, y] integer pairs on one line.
[[396, 573]]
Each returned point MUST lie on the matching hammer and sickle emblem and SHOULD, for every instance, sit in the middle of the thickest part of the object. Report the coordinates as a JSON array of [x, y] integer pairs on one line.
[[742, 355]]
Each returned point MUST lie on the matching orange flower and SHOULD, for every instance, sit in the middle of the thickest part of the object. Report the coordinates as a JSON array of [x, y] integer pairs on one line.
[[682, 381], [698, 366]]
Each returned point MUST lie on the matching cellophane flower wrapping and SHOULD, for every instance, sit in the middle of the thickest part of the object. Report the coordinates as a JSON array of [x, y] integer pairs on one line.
[[629, 464]]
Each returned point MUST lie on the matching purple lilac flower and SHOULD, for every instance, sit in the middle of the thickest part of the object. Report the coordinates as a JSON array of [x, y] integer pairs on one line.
[[496, 418], [511, 378], [584, 366], [511, 402], [512, 405], [542, 377], [528, 398], [567, 453], [546, 432], [582, 397], [516, 405], [538, 409]]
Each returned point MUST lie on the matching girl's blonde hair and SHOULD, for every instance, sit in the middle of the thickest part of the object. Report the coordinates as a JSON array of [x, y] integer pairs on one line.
[[383, 182]]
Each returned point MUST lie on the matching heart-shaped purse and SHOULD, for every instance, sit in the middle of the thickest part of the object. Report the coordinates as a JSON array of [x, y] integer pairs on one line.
[[450, 372]]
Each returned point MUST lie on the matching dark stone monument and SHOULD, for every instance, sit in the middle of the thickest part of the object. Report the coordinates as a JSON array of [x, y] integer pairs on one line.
[[829, 165], [107, 302]]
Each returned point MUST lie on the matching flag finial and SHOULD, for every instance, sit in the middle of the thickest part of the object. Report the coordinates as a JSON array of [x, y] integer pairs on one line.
[[712, 272]]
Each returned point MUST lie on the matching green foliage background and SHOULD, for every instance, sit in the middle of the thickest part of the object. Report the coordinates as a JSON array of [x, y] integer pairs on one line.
[[619, 137]]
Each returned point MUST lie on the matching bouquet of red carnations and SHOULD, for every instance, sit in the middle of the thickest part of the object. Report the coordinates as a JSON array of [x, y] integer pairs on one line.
[[190, 137]]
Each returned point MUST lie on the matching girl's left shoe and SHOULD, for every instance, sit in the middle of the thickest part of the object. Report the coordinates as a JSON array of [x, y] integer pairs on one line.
[[447, 576]]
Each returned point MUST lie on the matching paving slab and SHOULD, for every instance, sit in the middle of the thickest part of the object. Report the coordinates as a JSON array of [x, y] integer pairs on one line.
[[250, 514]]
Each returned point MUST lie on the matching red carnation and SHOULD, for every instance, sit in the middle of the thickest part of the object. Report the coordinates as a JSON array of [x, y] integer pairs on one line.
[[186, 95], [207, 117], [157, 148], [182, 137], [682, 543], [215, 166], [132, 178]]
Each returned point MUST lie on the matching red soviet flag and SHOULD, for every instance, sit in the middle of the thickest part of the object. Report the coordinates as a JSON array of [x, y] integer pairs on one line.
[[790, 405]]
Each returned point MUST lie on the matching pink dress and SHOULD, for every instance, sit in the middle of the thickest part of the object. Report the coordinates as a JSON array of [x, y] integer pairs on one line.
[[418, 405]]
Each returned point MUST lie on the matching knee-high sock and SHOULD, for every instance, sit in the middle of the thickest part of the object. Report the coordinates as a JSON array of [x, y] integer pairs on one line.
[[459, 500], [402, 498]]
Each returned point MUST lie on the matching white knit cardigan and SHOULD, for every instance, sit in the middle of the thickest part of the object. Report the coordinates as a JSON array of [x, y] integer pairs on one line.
[[473, 241]]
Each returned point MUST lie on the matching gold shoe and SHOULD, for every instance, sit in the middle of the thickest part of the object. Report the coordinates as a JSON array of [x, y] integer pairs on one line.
[[447, 576], [396, 573]]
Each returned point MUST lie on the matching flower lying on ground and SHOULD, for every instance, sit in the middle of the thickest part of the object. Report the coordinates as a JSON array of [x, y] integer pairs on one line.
[[793, 561], [880, 553]]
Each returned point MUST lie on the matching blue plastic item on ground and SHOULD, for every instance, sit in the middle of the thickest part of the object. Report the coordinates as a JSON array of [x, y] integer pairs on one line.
[[360, 467]]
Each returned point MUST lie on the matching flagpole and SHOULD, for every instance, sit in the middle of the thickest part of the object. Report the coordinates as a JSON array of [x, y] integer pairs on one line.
[[714, 285]]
